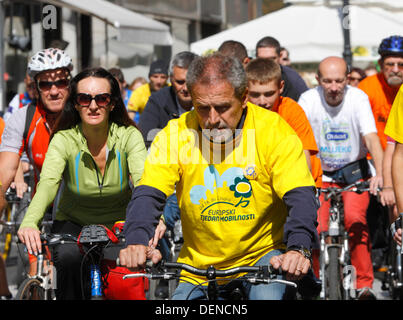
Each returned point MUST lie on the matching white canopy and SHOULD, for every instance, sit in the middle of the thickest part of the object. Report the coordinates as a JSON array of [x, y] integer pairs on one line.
[[312, 32], [385, 4], [133, 27]]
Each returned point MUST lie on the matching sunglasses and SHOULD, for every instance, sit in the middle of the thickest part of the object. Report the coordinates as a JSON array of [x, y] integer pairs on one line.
[[354, 79], [47, 85], [85, 99]]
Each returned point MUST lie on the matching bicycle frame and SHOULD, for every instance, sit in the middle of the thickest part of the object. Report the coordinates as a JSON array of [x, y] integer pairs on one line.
[[337, 237]]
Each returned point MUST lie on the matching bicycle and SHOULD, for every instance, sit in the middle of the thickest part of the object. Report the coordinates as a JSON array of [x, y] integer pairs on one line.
[[92, 240], [254, 275], [336, 272], [11, 217], [41, 286], [394, 273]]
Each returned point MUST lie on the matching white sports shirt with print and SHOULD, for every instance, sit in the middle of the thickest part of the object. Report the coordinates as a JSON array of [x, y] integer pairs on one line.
[[339, 130]]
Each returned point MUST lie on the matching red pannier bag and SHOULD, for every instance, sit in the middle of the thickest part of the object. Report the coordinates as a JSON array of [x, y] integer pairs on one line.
[[114, 287]]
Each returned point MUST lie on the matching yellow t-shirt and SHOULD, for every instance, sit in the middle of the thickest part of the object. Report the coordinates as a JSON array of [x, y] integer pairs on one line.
[[230, 198], [139, 97], [394, 128]]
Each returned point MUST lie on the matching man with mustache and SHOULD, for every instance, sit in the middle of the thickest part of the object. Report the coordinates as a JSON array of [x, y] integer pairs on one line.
[[382, 89], [254, 206], [344, 130]]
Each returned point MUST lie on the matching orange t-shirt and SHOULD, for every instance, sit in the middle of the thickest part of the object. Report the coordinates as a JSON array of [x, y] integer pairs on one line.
[[295, 116], [381, 97], [2, 125]]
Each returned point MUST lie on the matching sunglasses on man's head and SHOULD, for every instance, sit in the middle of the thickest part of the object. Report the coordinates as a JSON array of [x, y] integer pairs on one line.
[[102, 99], [47, 85]]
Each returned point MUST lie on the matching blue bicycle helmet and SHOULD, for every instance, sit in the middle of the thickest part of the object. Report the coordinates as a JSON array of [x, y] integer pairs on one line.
[[392, 45]]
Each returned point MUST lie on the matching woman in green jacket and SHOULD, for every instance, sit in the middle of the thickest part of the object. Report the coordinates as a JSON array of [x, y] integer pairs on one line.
[[95, 150]]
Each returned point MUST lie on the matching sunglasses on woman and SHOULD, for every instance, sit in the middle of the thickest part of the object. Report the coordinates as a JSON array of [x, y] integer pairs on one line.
[[85, 99], [47, 85]]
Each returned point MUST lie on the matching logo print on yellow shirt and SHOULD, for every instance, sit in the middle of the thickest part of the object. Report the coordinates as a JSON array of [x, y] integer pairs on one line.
[[250, 172], [223, 197]]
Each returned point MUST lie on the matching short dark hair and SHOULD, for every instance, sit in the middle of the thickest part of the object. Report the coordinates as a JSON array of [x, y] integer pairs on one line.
[[359, 71], [269, 42], [234, 49], [70, 117]]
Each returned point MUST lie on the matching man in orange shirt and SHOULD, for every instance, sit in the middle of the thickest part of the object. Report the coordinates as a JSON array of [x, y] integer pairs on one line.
[[265, 88], [382, 87]]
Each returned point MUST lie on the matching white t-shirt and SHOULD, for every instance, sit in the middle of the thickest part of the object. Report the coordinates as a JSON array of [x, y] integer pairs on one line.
[[339, 130]]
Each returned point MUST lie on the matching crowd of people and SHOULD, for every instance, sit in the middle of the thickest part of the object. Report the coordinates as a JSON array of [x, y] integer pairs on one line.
[[235, 147]]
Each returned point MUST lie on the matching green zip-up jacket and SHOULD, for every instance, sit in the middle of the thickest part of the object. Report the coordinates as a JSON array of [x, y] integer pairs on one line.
[[87, 196]]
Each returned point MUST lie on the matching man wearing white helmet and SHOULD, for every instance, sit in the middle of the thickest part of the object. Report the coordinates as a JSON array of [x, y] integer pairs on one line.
[[29, 128], [50, 69]]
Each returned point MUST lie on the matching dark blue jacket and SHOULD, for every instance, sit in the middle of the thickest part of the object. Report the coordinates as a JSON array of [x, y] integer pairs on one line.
[[160, 108]]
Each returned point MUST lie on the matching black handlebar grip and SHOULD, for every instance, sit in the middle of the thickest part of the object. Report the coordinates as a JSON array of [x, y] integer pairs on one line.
[[274, 271]]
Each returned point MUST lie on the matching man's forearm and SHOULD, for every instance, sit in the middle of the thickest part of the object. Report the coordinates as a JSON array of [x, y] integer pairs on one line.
[[375, 149], [9, 163], [142, 214], [300, 228]]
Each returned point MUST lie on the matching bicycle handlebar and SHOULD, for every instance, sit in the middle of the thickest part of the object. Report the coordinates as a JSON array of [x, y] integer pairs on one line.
[[55, 239], [358, 187], [263, 274]]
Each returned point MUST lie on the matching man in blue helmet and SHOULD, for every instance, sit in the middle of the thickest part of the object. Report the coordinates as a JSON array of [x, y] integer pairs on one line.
[[382, 89]]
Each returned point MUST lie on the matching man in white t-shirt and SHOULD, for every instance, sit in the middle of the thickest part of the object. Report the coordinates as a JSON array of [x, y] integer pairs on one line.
[[344, 129]]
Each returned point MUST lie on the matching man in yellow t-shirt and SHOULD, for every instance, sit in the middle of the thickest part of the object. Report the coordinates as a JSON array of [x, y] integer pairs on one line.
[[244, 189], [394, 129], [158, 77]]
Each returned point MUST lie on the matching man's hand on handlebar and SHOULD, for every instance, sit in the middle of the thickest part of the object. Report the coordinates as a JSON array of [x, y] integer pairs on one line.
[[293, 263], [375, 183], [135, 256]]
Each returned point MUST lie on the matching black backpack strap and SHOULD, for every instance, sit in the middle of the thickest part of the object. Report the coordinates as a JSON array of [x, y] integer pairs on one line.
[[30, 115]]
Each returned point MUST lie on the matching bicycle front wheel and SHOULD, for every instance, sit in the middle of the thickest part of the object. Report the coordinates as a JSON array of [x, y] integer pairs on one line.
[[30, 289], [333, 274]]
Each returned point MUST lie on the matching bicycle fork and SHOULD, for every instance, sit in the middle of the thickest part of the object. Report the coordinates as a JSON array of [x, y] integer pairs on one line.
[[349, 272]]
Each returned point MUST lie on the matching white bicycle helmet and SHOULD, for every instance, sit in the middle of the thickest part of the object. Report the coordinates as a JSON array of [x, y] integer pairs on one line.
[[49, 59]]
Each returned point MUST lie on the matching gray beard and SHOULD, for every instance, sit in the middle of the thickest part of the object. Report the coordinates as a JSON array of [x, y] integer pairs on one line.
[[394, 81]]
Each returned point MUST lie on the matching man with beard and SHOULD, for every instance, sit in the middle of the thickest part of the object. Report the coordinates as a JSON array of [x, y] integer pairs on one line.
[[345, 130], [382, 87], [244, 189]]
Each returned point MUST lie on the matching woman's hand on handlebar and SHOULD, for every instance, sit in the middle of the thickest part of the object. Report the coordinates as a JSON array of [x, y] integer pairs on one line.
[[31, 238], [293, 263], [158, 234], [135, 256]]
